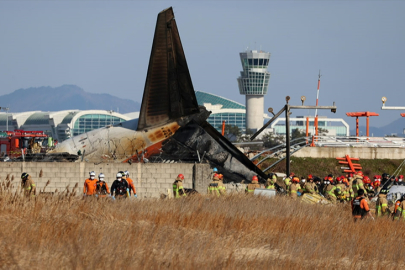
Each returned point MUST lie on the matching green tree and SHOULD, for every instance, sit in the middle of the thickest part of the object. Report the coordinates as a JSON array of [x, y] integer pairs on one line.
[[271, 140], [232, 133], [297, 133]]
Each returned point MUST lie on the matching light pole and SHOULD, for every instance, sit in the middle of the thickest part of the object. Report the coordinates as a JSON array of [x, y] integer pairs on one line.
[[6, 110]]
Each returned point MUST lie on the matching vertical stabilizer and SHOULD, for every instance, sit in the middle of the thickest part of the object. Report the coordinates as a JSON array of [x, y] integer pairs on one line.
[[169, 92]]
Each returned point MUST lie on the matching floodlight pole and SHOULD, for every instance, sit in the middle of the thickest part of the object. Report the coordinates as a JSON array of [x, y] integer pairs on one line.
[[287, 135], [287, 109]]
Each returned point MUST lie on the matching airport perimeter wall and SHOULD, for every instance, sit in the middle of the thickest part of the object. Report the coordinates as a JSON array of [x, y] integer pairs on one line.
[[150, 180], [357, 152]]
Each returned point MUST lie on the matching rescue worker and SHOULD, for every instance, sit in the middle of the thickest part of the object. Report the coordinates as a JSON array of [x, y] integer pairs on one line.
[[271, 181], [101, 187], [400, 180], [302, 184], [349, 194], [131, 185], [399, 209], [330, 190], [119, 188], [250, 188], [294, 187], [376, 184], [28, 185], [360, 207], [358, 184], [340, 190], [89, 188], [319, 185], [214, 171], [367, 185], [310, 186], [381, 205], [178, 189], [215, 187], [287, 181], [222, 186], [385, 178]]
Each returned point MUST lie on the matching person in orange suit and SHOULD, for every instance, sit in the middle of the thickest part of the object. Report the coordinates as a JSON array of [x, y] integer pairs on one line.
[[90, 185]]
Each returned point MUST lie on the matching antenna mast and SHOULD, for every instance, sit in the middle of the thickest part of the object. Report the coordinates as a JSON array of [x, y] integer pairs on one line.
[[316, 110]]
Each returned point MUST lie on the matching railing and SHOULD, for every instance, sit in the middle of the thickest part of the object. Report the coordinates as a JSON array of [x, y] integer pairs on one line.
[[335, 141]]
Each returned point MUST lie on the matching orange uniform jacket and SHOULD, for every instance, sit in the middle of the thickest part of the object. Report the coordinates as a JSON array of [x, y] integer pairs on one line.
[[131, 185], [363, 206], [90, 186]]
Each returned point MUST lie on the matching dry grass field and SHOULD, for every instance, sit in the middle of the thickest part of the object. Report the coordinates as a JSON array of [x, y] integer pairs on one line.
[[233, 232]]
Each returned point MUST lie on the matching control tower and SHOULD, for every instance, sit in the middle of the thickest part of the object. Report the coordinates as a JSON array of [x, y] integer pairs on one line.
[[253, 83]]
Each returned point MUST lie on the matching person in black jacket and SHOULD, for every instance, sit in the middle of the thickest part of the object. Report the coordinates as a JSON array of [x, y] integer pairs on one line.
[[119, 187]]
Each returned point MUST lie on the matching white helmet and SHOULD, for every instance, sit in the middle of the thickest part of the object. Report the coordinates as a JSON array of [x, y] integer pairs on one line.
[[92, 173], [101, 176], [119, 175], [126, 173]]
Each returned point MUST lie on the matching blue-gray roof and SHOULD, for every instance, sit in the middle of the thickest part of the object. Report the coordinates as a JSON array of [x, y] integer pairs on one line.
[[38, 118], [203, 97]]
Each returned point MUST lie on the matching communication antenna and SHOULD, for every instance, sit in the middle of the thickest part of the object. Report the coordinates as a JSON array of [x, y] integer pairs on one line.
[[317, 98]]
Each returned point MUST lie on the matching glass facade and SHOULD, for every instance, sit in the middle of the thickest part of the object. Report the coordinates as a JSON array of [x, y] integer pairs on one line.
[[339, 128], [88, 122], [234, 119], [254, 79]]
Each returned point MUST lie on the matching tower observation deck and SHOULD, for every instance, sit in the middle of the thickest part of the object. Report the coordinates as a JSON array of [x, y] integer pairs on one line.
[[253, 83]]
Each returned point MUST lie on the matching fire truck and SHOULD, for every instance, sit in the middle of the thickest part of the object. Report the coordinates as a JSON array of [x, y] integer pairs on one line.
[[18, 142]]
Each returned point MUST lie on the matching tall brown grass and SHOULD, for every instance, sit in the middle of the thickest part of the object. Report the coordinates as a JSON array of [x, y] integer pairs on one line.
[[199, 232]]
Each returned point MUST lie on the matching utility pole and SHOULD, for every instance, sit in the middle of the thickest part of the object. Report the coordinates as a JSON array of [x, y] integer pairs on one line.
[[287, 109]]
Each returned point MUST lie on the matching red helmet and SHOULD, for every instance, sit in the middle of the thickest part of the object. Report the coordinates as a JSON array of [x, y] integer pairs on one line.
[[220, 176], [401, 177], [344, 180], [338, 179], [292, 174], [180, 176], [310, 177], [360, 173], [255, 179], [366, 180], [351, 174], [295, 179], [376, 184]]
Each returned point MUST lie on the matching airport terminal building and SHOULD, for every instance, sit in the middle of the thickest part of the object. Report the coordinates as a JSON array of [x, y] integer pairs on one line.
[[62, 124]]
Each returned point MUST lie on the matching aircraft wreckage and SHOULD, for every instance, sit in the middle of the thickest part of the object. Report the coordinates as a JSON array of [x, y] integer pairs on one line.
[[171, 125]]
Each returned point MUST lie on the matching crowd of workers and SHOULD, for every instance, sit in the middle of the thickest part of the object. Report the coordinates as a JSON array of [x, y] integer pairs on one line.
[[122, 187], [355, 189]]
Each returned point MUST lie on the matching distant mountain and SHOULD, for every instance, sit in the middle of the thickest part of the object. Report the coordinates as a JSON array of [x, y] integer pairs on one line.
[[396, 126], [65, 97]]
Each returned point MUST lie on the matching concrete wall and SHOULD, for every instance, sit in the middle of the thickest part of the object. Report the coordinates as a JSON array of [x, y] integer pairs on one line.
[[358, 152], [150, 180]]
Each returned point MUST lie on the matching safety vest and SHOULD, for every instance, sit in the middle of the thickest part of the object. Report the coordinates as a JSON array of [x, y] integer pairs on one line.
[[101, 188], [357, 210], [213, 188], [251, 187], [177, 186], [381, 206], [330, 190]]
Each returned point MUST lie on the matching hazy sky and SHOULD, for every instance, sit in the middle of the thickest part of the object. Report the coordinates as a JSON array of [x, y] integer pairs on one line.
[[104, 47]]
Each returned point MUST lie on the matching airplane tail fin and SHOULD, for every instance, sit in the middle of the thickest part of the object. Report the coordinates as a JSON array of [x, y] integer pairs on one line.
[[169, 92]]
